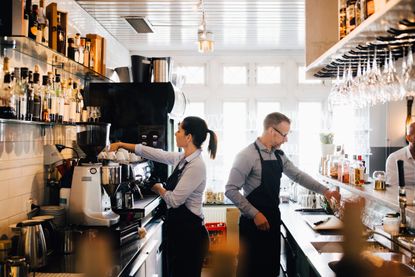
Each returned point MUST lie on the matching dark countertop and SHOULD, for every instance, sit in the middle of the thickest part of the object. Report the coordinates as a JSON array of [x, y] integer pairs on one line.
[[122, 256]]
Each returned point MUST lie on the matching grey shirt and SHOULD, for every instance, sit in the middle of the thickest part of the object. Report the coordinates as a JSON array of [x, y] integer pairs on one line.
[[246, 174], [192, 182]]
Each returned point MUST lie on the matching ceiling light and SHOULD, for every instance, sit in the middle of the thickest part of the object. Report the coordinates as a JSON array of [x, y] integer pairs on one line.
[[205, 42]]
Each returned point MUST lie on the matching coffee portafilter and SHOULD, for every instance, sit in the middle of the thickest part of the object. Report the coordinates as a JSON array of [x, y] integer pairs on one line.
[[111, 178]]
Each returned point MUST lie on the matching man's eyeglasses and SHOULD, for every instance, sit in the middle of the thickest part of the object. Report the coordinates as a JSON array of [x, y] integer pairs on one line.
[[283, 135]]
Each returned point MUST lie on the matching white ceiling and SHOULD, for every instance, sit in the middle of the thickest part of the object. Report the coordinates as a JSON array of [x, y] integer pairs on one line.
[[236, 24]]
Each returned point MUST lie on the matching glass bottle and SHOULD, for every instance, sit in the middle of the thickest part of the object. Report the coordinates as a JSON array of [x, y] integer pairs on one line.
[[30, 98], [87, 56], [61, 36], [46, 103], [350, 16], [33, 23], [342, 18], [7, 98], [53, 103], [37, 102], [43, 23], [60, 100]]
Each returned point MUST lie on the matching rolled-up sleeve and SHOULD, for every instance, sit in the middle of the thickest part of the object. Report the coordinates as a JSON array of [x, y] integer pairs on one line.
[[300, 177], [194, 174], [157, 155], [237, 177]]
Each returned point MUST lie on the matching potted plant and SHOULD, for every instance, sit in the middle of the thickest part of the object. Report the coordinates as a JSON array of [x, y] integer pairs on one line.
[[327, 146]]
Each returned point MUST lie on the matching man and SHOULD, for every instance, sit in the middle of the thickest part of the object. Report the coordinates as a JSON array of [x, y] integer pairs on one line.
[[407, 154], [257, 170]]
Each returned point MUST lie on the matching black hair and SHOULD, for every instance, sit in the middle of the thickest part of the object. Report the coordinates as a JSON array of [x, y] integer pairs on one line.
[[197, 127]]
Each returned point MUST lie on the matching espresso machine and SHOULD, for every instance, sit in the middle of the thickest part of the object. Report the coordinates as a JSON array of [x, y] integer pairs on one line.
[[89, 203]]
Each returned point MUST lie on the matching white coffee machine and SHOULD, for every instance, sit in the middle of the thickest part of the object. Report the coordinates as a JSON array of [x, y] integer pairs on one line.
[[89, 203]]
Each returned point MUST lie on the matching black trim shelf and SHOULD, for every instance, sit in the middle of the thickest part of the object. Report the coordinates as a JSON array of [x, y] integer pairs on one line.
[[38, 51]]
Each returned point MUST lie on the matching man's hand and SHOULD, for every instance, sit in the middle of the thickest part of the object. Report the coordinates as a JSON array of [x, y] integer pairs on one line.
[[261, 222], [333, 197]]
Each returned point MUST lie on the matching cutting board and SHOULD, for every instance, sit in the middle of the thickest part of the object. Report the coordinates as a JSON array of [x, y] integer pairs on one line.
[[333, 223]]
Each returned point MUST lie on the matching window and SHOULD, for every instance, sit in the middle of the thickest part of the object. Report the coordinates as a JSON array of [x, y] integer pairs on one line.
[[195, 109], [309, 124], [235, 75], [302, 79], [232, 138], [262, 110], [194, 75], [267, 75]]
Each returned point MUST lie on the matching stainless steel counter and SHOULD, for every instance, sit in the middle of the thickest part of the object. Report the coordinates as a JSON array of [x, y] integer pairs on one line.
[[122, 256], [304, 235]]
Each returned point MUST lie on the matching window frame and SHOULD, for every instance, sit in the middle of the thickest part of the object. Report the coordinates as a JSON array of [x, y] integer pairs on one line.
[[257, 65], [222, 71]]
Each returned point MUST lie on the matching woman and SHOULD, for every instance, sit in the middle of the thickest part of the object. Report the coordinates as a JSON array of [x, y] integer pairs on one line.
[[187, 237]]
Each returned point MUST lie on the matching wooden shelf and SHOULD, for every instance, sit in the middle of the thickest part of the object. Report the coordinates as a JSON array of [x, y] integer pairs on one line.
[[44, 54], [367, 32]]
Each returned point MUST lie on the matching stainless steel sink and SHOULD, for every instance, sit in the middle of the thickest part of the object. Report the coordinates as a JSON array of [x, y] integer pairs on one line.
[[388, 268], [337, 246]]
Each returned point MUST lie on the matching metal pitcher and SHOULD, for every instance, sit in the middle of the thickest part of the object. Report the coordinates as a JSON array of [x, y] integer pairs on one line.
[[32, 243]]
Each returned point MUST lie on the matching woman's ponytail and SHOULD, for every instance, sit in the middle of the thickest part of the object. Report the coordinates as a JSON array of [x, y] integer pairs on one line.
[[213, 144]]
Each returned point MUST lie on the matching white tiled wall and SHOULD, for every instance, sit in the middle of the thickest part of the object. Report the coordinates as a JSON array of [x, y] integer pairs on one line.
[[22, 173]]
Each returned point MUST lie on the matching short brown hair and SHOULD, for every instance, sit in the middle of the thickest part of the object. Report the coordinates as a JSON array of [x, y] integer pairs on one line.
[[275, 119]]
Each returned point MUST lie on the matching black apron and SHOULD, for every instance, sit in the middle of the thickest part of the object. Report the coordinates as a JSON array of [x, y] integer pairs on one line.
[[186, 237], [260, 250]]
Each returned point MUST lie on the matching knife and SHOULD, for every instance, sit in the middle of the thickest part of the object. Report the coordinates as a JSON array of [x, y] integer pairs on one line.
[[321, 221]]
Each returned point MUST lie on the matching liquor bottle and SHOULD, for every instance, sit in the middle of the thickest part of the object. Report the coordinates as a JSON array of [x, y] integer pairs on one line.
[[27, 11], [72, 102], [87, 51], [72, 50], [370, 8], [30, 98], [43, 22], [61, 36], [46, 103], [24, 74], [37, 102], [80, 41], [342, 18], [350, 16], [33, 24], [52, 99], [358, 11], [7, 101], [346, 169], [66, 90]]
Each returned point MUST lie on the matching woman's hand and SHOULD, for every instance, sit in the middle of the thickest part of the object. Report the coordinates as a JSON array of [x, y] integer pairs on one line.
[[159, 189], [114, 146]]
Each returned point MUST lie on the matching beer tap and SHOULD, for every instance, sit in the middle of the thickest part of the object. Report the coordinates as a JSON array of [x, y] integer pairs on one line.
[[402, 196]]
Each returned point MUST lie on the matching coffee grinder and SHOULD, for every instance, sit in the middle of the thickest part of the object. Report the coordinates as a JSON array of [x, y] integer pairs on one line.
[[89, 203]]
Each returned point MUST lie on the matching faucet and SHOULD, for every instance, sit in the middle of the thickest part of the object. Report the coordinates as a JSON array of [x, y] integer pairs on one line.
[[395, 240]]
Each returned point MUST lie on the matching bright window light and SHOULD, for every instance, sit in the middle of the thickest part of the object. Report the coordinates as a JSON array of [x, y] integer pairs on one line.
[[194, 75], [309, 128], [195, 109], [263, 109], [268, 75], [235, 75]]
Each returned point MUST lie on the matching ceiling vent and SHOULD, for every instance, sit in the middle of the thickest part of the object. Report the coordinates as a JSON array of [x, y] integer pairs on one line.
[[140, 24]]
